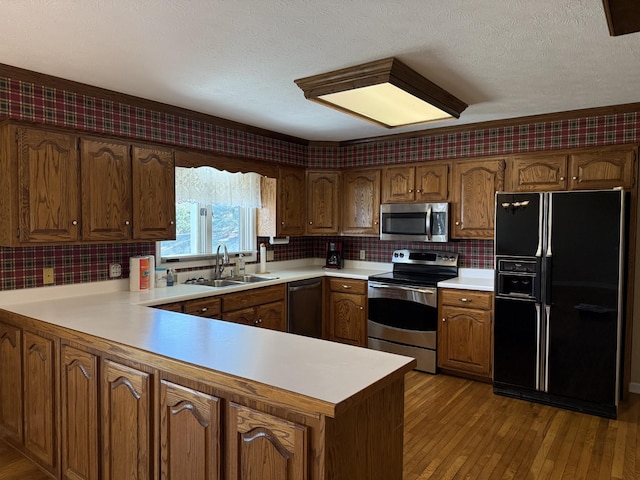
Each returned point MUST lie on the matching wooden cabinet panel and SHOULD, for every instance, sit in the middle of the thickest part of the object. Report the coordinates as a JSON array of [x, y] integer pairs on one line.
[[209, 307], [11, 383], [39, 391], [465, 342], [348, 285], [48, 179], [172, 307], [291, 208], [261, 446], [127, 413], [602, 168], [398, 184], [475, 184], [348, 318], [432, 182], [272, 316], [79, 390], [190, 434], [361, 202], [106, 190], [154, 208], [323, 212], [256, 296], [539, 173], [244, 316]]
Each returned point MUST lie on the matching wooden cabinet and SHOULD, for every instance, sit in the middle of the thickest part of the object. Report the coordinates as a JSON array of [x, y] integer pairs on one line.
[[79, 393], [106, 190], [127, 423], [361, 202], [11, 383], [347, 307], [154, 204], [595, 168], [262, 307], [465, 332], [475, 183], [425, 182], [323, 213], [209, 307], [283, 210], [39, 393], [189, 433], [265, 447]]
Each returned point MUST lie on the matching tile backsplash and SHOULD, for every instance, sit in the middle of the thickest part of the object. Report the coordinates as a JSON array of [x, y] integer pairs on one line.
[[40, 103]]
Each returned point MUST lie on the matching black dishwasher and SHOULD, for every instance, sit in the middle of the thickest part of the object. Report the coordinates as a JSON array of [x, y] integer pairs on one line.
[[304, 308]]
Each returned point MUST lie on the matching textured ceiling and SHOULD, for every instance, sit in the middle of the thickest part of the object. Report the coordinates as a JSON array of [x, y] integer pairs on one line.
[[238, 59]]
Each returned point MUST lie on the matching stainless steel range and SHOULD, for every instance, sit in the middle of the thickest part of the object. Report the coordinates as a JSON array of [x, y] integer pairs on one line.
[[403, 304]]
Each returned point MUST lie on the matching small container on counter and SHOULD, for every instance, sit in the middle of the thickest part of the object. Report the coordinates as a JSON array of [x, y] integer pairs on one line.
[[161, 277], [170, 278]]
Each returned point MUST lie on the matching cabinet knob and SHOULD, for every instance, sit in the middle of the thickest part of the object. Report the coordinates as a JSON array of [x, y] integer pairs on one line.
[[258, 321], [204, 309], [419, 191], [574, 178], [281, 223], [411, 190], [310, 223], [126, 222], [75, 222], [561, 179], [444, 319], [375, 223], [361, 308], [171, 222], [457, 223]]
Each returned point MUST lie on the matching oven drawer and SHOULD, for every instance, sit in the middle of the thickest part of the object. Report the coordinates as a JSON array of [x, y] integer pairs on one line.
[[424, 339], [466, 298]]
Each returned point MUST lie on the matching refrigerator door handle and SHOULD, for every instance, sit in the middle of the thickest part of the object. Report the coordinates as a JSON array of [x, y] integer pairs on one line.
[[547, 309], [428, 222], [549, 218], [538, 344], [540, 223]]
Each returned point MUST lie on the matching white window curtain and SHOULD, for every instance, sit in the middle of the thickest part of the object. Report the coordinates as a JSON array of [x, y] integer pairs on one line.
[[207, 185]]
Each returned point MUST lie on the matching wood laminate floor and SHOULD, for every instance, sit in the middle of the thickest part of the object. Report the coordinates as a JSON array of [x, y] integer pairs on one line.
[[458, 429]]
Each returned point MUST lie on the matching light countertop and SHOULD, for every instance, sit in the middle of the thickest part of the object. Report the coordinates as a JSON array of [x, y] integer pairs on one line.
[[471, 279]]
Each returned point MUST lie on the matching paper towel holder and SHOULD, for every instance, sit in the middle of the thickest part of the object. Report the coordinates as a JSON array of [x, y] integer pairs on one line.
[[278, 240]]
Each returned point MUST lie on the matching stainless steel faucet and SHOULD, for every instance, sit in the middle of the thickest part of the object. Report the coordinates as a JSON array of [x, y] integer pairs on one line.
[[217, 274]]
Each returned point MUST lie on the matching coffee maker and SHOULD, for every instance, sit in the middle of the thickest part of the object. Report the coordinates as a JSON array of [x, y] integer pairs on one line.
[[333, 257]]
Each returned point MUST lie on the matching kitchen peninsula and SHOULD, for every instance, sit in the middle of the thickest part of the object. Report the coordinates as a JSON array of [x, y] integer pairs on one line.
[[129, 391]]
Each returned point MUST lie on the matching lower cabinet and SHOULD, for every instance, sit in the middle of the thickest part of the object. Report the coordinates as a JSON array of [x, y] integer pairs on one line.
[[11, 383], [263, 307], [189, 434], [79, 391], [347, 307], [38, 401], [127, 423], [465, 332], [265, 447]]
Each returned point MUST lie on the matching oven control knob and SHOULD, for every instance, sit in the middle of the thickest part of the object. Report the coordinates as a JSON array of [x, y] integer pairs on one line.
[[401, 255]]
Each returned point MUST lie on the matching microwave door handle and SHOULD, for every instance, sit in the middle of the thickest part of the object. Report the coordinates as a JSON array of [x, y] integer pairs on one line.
[[428, 222]]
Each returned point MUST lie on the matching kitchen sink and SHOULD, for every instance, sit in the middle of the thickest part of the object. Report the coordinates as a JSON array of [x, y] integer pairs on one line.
[[251, 278], [230, 281]]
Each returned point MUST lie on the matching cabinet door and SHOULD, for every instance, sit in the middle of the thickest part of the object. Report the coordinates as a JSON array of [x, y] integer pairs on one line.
[[464, 340], [348, 318], [361, 202], [154, 197], [106, 190], [603, 168], [322, 203], [127, 445], [79, 389], [272, 316], [11, 382], [264, 447], [189, 430], [39, 390], [48, 178], [534, 174], [474, 186], [291, 210], [398, 184], [208, 307], [432, 182], [245, 316]]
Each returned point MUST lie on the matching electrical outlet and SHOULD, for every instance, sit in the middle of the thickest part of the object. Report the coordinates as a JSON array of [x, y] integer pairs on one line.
[[115, 270], [363, 254], [269, 255], [47, 275]]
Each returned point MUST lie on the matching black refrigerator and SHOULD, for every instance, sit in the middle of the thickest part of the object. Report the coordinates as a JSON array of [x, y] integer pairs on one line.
[[559, 290]]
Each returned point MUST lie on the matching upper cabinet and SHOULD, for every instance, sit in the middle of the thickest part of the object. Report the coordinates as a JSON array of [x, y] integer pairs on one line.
[[62, 188], [425, 182], [323, 214], [361, 202], [475, 183], [283, 210], [595, 168]]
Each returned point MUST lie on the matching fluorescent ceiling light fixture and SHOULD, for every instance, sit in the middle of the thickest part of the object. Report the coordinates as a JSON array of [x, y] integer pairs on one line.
[[386, 92]]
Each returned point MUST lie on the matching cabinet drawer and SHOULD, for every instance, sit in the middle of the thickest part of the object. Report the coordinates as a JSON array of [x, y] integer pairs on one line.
[[204, 307], [250, 298], [171, 307], [348, 285], [467, 298]]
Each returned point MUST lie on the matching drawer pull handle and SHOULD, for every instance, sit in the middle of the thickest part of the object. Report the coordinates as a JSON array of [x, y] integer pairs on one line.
[[465, 300], [346, 286], [204, 309]]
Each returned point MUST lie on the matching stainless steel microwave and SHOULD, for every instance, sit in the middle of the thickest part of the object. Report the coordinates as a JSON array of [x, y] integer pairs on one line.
[[419, 222]]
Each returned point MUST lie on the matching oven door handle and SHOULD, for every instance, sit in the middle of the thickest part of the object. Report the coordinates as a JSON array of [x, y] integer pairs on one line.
[[409, 289]]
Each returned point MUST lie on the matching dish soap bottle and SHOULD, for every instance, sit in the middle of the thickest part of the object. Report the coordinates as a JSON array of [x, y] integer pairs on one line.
[[169, 278]]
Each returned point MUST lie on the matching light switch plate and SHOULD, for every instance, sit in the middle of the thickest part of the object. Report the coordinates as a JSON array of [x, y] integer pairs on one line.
[[363, 254]]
